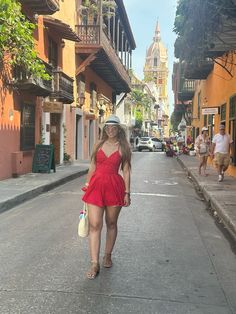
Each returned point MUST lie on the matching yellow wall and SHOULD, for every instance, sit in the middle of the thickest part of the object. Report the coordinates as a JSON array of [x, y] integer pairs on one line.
[[215, 91]]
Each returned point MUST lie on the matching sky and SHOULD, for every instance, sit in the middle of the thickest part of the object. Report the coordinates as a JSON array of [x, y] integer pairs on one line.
[[143, 16]]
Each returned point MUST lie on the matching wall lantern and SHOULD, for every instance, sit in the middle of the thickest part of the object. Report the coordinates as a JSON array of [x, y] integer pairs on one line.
[[81, 100]]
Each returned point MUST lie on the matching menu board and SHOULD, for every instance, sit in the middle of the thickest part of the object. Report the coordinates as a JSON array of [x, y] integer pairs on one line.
[[43, 159]]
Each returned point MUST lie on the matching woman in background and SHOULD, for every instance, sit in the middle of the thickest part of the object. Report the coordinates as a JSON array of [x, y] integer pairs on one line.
[[203, 149]]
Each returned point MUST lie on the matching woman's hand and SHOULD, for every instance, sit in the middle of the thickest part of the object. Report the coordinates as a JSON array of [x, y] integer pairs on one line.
[[85, 187], [127, 200]]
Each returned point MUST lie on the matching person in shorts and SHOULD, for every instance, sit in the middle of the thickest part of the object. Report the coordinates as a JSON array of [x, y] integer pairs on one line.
[[220, 150], [202, 144]]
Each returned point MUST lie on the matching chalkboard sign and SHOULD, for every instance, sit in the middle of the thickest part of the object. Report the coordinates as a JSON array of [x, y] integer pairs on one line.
[[43, 159]]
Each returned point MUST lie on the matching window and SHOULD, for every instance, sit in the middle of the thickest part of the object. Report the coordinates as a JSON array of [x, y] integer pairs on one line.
[[232, 108], [223, 112], [199, 105], [155, 62], [93, 95], [27, 131], [205, 120], [52, 52]]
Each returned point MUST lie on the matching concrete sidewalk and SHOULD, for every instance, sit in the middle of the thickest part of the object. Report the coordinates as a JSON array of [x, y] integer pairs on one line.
[[18, 190], [220, 195]]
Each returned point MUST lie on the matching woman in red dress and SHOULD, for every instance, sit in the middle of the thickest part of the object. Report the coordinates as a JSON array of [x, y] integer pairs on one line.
[[106, 191]]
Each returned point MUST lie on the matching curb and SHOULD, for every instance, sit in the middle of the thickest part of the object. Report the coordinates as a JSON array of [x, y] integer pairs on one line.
[[26, 196], [223, 215]]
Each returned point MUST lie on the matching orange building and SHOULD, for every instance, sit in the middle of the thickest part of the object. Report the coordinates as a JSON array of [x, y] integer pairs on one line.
[[67, 110], [32, 109], [103, 61], [212, 95]]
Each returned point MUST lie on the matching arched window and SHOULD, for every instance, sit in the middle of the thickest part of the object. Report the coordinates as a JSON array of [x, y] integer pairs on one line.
[[155, 62]]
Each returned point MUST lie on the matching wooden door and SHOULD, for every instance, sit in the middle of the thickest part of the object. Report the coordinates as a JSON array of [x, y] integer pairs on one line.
[[55, 134]]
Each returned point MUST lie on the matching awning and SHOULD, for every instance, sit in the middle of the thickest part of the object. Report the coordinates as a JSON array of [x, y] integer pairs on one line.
[[61, 28]]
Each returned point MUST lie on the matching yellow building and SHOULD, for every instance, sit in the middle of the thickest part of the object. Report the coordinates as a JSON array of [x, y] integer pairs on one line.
[[156, 70]]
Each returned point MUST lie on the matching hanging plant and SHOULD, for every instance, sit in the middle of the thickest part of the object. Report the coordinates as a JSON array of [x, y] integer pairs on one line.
[[17, 45]]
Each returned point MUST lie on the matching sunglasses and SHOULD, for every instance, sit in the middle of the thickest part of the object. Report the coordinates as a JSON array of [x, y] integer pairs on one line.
[[111, 127]]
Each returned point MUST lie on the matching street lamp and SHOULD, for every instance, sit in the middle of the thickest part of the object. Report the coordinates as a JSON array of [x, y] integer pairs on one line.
[[81, 100]]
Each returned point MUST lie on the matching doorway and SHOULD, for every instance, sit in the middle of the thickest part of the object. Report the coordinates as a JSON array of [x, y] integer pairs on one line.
[[55, 119], [91, 136], [78, 138]]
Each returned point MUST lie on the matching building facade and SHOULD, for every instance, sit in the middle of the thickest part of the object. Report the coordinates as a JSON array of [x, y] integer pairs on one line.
[[88, 56], [156, 70]]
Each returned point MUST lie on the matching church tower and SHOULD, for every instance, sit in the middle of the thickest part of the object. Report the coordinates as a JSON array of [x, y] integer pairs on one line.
[[156, 70]]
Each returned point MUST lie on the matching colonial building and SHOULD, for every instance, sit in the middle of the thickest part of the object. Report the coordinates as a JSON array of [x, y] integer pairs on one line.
[[103, 61], [34, 110], [88, 56], [156, 70]]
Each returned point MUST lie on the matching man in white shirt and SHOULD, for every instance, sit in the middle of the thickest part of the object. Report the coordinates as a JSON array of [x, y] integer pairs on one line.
[[221, 145]]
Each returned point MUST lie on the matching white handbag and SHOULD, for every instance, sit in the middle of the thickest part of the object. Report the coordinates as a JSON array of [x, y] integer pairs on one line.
[[83, 226]]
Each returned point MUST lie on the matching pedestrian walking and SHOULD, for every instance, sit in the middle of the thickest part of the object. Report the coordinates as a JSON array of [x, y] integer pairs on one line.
[[106, 190], [220, 151], [202, 144]]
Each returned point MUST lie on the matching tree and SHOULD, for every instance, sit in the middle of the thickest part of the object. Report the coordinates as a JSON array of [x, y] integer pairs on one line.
[[141, 103], [175, 119], [17, 46], [198, 24]]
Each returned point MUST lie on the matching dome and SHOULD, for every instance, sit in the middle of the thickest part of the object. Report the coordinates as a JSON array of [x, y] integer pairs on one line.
[[157, 50]]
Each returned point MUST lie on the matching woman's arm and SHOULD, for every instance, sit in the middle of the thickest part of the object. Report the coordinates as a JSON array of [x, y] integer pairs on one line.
[[126, 176], [91, 170]]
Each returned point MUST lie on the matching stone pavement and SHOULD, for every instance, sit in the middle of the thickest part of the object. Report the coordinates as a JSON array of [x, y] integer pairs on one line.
[[14, 191], [221, 196]]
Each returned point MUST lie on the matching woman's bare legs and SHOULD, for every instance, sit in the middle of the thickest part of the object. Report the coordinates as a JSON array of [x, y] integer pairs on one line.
[[95, 215], [201, 164], [205, 164], [111, 217]]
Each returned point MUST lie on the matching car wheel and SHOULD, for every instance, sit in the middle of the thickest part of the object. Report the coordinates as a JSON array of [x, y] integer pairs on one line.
[[139, 149]]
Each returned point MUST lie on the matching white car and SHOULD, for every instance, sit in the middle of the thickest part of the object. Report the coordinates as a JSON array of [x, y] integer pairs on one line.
[[150, 143], [158, 144]]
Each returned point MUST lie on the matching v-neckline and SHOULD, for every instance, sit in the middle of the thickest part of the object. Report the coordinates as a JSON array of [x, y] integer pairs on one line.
[[110, 154]]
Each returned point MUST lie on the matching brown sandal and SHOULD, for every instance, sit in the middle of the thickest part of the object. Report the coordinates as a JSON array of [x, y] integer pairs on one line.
[[107, 262], [93, 271]]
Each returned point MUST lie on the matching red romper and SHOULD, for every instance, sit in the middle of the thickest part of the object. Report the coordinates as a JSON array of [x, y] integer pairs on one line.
[[106, 186]]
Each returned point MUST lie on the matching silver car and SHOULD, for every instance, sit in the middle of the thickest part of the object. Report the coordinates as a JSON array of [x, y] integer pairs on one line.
[[150, 143]]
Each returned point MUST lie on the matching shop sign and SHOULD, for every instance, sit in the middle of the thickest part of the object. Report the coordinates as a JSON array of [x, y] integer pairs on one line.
[[210, 110], [53, 106]]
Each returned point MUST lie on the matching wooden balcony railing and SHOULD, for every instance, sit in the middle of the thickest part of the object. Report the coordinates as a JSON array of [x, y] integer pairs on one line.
[[62, 87], [42, 6], [199, 71], [89, 34], [25, 81], [186, 89], [93, 36]]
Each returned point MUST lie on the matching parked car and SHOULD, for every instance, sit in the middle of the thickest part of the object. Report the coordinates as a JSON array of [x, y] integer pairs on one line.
[[150, 143], [158, 144]]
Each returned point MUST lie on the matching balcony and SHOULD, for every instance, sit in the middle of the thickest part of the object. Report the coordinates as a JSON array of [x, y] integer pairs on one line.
[[62, 87], [199, 71], [186, 89], [25, 81], [107, 63], [44, 7]]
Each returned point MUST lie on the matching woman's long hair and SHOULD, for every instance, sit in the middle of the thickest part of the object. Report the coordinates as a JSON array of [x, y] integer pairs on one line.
[[123, 143]]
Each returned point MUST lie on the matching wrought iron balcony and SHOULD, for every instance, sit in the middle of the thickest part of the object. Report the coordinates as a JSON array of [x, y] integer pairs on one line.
[[62, 87], [25, 81], [44, 7], [186, 89]]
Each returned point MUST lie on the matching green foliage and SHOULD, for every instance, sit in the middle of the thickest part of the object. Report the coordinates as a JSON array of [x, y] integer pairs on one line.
[[175, 119], [17, 46], [138, 119], [197, 23]]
